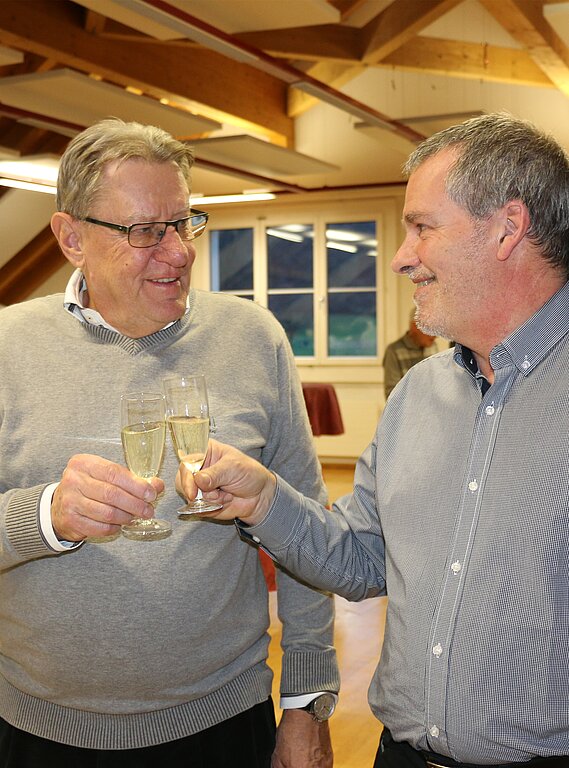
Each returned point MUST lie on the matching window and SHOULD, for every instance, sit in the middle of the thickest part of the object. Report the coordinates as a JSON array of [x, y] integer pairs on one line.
[[231, 253], [351, 259], [290, 290], [317, 271]]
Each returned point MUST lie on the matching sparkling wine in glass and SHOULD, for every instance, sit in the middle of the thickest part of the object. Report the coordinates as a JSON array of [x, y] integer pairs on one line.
[[187, 412], [143, 431]]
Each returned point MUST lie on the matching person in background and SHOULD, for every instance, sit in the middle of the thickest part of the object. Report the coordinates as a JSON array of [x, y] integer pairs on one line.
[[116, 652], [460, 507], [404, 353]]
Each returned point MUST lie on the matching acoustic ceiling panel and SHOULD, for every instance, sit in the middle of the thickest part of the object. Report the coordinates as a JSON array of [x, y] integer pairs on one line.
[[75, 98], [229, 15], [258, 156]]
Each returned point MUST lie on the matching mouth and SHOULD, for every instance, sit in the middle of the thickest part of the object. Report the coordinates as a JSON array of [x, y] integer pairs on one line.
[[422, 283], [163, 280]]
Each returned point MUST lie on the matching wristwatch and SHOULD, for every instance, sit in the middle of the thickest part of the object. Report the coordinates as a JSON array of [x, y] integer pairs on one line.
[[322, 707]]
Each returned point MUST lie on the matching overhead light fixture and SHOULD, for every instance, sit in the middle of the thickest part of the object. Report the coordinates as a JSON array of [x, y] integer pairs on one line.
[[251, 197]]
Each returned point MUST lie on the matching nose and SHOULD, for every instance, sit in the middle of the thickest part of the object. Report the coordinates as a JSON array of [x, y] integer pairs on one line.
[[405, 257], [173, 250]]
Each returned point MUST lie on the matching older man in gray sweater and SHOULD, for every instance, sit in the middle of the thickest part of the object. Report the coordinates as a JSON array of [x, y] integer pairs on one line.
[[117, 652]]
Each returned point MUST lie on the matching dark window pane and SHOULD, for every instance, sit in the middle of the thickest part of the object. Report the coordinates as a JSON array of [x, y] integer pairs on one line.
[[352, 324], [295, 313], [352, 254], [231, 259], [289, 254]]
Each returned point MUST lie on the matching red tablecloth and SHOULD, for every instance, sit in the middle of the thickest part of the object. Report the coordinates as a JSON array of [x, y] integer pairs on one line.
[[323, 409]]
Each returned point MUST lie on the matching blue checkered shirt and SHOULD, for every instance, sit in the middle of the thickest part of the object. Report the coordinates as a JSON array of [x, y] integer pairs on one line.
[[460, 512]]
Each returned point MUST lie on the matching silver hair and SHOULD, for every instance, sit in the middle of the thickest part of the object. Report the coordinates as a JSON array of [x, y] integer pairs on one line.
[[501, 158], [81, 168]]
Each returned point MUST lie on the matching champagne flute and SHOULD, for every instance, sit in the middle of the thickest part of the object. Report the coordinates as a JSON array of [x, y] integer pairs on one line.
[[187, 411], [143, 434]]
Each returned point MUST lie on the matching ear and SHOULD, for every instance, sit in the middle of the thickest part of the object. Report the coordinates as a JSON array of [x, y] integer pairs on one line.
[[514, 224], [68, 233]]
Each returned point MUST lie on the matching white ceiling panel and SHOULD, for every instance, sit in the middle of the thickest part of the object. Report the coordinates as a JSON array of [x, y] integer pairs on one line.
[[231, 16], [255, 15], [259, 156], [67, 95]]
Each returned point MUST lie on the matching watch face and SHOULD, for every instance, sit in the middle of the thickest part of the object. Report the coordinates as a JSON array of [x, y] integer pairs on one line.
[[323, 706]]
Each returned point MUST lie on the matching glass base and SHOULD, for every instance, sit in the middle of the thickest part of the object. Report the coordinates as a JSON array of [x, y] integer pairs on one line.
[[147, 530], [197, 506]]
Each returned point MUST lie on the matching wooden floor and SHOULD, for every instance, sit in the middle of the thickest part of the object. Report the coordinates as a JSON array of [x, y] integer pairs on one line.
[[358, 638]]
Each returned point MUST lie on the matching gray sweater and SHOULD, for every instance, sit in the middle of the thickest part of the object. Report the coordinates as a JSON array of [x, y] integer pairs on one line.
[[121, 644]]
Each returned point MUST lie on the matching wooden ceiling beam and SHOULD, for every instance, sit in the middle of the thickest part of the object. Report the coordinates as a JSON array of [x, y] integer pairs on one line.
[[400, 22], [525, 22], [454, 58], [397, 24], [201, 76], [30, 268], [468, 60], [327, 41]]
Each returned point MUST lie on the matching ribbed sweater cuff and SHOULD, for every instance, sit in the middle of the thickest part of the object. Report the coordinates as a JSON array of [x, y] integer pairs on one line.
[[307, 671], [22, 524]]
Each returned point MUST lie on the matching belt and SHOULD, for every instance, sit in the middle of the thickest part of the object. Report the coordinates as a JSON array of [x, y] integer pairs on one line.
[[539, 762], [432, 760]]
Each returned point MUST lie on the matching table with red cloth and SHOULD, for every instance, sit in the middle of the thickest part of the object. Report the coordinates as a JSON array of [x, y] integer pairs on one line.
[[325, 419], [323, 409]]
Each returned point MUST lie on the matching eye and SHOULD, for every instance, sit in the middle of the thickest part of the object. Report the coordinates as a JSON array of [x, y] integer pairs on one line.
[[145, 229]]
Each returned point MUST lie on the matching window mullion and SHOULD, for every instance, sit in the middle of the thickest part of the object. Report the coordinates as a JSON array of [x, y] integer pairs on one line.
[[320, 292]]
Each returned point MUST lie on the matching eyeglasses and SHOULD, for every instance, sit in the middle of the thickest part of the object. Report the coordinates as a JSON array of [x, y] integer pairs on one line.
[[151, 233]]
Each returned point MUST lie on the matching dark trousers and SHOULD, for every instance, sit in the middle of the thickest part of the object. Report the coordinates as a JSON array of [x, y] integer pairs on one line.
[[244, 741], [399, 754]]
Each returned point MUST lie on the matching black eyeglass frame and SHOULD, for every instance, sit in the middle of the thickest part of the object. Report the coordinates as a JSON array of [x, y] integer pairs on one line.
[[127, 229]]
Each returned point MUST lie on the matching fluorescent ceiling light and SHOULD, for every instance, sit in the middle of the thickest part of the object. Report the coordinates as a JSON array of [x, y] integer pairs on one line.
[[285, 235], [342, 247], [245, 198], [27, 185]]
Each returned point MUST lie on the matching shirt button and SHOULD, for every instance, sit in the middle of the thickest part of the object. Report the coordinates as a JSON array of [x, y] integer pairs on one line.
[[434, 731], [437, 650], [473, 485], [489, 410], [455, 567]]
